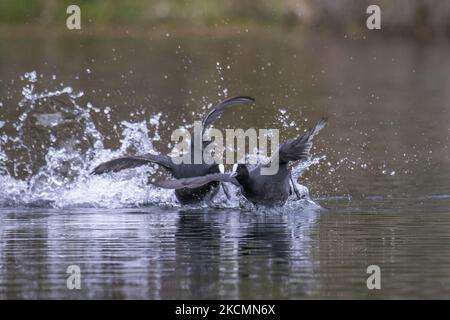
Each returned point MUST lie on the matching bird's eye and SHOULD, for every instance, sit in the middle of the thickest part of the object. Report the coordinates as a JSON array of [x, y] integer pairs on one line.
[[221, 168], [234, 168]]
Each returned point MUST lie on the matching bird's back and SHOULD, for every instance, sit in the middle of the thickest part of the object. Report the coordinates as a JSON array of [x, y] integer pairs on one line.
[[268, 190]]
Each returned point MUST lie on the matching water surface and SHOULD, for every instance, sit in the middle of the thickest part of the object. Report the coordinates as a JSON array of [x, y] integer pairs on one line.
[[382, 173]]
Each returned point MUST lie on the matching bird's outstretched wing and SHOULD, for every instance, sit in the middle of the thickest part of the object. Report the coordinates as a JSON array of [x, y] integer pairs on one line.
[[195, 182], [216, 111], [164, 160], [119, 164], [299, 148]]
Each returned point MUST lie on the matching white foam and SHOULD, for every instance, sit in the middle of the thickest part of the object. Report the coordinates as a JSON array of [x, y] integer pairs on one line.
[[65, 180]]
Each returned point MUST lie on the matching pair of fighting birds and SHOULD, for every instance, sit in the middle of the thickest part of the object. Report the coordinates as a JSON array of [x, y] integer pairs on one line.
[[193, 182]]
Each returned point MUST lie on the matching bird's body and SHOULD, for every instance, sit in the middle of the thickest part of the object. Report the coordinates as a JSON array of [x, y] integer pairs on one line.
[[265, 190], [194, 195]]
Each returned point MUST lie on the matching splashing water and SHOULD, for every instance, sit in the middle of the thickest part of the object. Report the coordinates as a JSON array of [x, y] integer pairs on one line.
[[47, 161]]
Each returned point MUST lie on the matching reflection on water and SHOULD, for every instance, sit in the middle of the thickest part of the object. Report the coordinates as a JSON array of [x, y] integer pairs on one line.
[[156, 253], [384, 179]]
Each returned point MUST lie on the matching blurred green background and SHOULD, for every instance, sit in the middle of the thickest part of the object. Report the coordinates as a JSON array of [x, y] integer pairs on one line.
[[419, 18]]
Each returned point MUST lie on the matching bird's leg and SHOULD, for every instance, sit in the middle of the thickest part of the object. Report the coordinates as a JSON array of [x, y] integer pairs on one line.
[[226, 191], [294, 187]]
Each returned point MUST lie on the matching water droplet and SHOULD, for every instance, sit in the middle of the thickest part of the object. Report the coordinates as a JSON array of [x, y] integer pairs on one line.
[[31, 76]]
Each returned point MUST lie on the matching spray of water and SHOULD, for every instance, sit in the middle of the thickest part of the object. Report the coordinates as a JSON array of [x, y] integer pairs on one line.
[[55, 144]]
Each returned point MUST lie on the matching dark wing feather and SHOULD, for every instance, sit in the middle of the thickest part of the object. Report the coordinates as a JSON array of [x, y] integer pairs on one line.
[[216, 111], [299, 148], [195, 182], [133, 162]]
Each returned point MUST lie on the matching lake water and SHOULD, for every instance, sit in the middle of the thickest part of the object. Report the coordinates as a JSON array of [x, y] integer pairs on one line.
[[379, 183]]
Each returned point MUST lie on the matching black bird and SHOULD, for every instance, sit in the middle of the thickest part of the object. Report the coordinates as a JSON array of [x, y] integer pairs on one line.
[[179, 171], [266, 190]]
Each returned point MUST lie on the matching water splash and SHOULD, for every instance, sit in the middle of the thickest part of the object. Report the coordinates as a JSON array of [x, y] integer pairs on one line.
[[55, 144], [47, 162]]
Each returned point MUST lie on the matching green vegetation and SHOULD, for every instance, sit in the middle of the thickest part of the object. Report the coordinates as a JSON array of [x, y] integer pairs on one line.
[[407, 17], [102, 12]]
